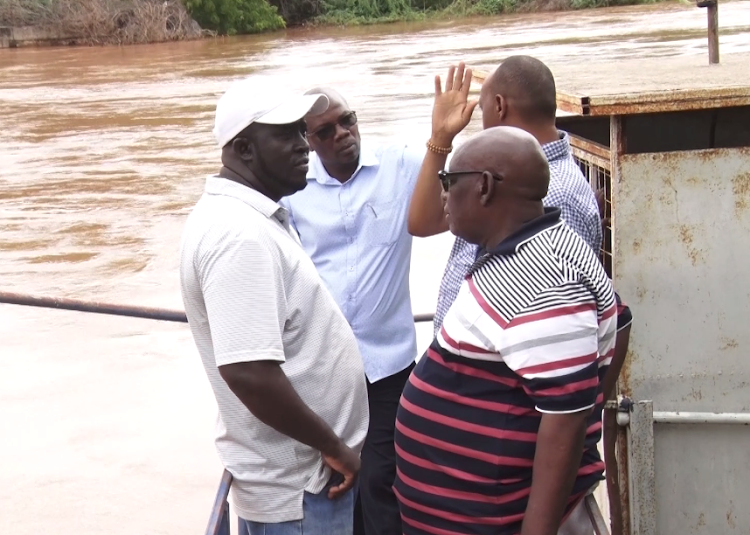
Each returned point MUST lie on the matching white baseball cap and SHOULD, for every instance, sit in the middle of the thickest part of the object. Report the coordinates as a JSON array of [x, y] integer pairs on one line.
[[244, 104]]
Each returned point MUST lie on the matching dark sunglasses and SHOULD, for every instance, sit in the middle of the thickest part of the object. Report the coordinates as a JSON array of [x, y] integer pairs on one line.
[[448, 178], [328, 131]]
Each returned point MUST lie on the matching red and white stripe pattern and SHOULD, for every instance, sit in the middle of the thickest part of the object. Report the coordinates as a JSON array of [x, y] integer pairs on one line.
[[532, 331]]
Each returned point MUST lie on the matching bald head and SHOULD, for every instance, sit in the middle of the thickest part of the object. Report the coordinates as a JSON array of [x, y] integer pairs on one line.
[[496, 183], [513, 155], [528, 86]]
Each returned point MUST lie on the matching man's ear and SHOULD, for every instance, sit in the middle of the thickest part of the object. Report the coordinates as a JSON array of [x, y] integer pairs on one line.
[[501, 107], [243, 148], [488, 188]]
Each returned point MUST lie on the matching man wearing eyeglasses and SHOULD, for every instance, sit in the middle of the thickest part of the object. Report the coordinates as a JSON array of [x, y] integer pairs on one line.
[[351, 220], [498, 425]]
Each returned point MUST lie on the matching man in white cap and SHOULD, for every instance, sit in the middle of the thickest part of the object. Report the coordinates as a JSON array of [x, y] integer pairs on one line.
[[280, 357]]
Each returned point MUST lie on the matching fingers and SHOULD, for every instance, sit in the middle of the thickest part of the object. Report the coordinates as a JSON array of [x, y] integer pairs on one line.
[[438, 86], [459, 80], [466, 83], [343, 488], [449, 79]]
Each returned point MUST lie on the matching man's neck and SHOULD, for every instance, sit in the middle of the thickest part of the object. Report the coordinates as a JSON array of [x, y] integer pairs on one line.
[[510, 222], [249, 181], [544, 135], [342, 173]]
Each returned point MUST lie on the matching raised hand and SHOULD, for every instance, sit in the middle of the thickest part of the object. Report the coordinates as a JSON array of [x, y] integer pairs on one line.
[[452, 109]]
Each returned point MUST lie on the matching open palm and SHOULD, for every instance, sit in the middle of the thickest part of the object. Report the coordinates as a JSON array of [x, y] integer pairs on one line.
[[452, 109]]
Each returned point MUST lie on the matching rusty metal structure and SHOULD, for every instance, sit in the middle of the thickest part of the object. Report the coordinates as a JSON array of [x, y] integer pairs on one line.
[[669, 142]]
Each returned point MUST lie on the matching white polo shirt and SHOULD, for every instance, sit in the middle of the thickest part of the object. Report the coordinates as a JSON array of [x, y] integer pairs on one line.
[[251, 293]]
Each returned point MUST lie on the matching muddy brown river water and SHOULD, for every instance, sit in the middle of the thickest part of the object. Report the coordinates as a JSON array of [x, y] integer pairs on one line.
[[106, 423]]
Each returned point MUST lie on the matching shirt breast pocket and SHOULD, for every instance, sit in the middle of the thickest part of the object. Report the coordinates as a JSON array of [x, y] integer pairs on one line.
[[381, 223]]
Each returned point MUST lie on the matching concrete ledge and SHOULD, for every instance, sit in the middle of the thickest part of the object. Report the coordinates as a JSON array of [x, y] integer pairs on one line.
[[14, 37]]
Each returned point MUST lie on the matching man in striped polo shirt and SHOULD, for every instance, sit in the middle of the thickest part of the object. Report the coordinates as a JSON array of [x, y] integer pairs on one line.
[[497, 428]]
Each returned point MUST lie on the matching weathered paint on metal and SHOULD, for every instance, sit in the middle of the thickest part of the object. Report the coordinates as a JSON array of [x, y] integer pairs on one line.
[[682, 417], [639, 86], [702, 479], [591, 152], [641, 470], [682, 247]]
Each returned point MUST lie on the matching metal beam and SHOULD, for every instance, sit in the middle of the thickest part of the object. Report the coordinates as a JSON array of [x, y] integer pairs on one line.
[[731, 418], [150, 313], [640, 433]]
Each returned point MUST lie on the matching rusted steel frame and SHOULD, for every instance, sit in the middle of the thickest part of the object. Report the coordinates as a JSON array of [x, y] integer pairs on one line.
[[641, 480], [622, 477], [665, 101], [591, 152], [618, 147], [611, 470], [712, 14], [161, 314], [218, 522]]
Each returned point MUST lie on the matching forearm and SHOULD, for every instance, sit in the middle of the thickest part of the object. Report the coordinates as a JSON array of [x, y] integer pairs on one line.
[[265, 390], [559, 449], [426, 216]]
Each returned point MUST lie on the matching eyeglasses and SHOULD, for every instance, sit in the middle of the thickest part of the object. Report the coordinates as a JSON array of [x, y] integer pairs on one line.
[[328, 131], [448, 178]]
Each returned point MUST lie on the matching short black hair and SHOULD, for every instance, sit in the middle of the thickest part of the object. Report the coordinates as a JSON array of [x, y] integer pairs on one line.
[[529, 84]]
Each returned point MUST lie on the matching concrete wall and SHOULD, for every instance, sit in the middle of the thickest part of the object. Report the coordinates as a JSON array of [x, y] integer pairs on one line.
[[12, 37]]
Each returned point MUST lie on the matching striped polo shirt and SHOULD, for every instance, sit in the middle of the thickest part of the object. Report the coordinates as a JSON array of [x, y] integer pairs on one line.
[[532, 331]]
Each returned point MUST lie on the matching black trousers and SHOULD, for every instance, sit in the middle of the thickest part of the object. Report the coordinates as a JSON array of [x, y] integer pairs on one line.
[[376, 510]]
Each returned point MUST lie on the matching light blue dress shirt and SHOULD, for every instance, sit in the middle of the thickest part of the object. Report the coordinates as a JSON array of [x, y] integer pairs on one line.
[[356, 235]]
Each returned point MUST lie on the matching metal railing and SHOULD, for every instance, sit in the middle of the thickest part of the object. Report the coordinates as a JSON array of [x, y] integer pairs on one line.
[[218, 523]]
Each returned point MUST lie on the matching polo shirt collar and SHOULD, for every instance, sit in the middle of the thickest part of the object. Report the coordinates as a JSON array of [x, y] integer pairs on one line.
[[216, 185], [317, 171], [513, 243]]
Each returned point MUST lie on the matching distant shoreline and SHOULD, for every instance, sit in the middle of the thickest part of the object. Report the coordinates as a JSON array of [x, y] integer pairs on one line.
[[147, 21]]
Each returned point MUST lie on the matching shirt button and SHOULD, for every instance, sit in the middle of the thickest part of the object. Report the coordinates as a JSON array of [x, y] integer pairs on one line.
[[351, 268], [351, 298]]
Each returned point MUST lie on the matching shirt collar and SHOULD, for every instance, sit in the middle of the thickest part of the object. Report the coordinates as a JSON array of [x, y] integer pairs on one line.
[[513, 243], [556, 150], [216, 185], [317, 171]]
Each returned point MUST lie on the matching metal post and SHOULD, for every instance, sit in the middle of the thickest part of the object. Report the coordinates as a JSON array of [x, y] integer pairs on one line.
[[114, 309], [712, 11], [640, 433], [218, 522]]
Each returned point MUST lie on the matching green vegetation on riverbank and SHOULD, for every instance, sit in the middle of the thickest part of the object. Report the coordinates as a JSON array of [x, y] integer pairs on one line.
[[141, 21]]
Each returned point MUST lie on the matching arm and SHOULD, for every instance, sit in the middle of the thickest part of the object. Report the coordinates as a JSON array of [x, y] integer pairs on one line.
[[246, 309], [451, 113], [265, 390], [557, 358], [559, 449]]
